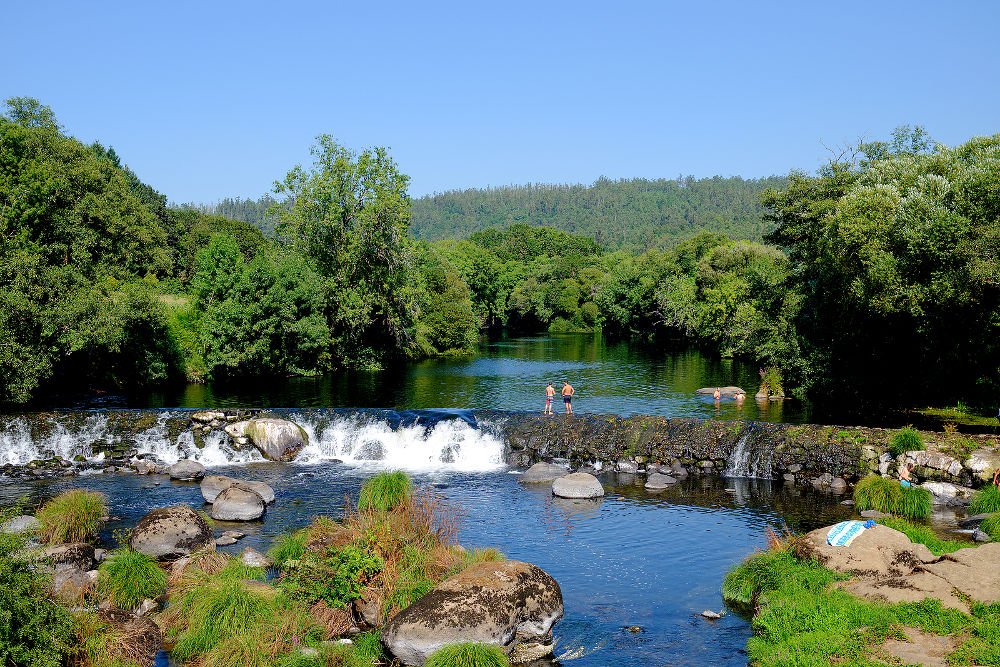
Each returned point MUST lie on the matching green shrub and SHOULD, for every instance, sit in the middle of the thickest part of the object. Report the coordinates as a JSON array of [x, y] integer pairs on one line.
[[385, 491], [991, 526], [468, 654], [337, 579], [129, 577], [878, 493], [33, 629], [985, 501], [72, 516], [288, 546], [770, 382], [921, 534], [905, 440]]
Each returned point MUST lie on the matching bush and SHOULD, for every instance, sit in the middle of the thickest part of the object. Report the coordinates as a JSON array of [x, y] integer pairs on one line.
[[985, 501], [385, 491], [905, 440], [887, 495], [917, 503], [991, 526], [72, 516], [33, 629], [129, 577], [770, 382], [468, 654], [336, 579]]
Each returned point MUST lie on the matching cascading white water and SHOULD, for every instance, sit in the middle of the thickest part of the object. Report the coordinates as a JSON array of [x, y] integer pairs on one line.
[[18, 446], [217, 447], [748, 461], [451, 444]]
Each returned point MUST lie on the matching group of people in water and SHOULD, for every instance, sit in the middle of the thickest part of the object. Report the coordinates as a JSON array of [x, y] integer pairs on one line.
[[567, 396], [739, 395]]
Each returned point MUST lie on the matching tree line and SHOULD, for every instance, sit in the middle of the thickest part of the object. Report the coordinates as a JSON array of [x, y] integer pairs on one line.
[[877, 279]]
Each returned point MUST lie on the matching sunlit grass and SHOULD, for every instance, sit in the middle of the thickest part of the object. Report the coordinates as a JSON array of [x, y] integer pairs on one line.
[[72, 516]]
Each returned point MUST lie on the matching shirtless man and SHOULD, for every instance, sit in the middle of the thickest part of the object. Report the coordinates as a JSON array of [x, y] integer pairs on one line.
[[550, 393], [567, 394]]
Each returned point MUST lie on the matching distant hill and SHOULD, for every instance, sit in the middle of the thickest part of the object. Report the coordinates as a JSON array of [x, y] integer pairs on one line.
[[631, 214]]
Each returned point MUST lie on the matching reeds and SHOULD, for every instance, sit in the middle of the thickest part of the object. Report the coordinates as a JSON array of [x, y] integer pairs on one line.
[[985, 501], [72, 516], [385, 491], [888, 496]]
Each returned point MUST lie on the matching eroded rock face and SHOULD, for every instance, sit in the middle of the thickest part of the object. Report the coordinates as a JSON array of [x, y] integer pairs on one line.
[[504, 604], [172, 532], [577, 485], [237, 503], [276, 439], [59, 556], [542, 472]]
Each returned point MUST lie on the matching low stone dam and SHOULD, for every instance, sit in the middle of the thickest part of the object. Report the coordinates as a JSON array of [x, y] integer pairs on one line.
[[84, 442]]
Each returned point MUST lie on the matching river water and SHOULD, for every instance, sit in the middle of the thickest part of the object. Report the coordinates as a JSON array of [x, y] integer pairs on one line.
[[652, 560]]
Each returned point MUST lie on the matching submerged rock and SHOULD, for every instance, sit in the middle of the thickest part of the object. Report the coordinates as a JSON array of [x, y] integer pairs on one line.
[[577, 485], [172, 532], [503, 604], [542, 472], [659, 481]]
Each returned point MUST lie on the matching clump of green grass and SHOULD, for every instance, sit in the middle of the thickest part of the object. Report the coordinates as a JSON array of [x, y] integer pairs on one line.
[[468, 654], [905, 440], [985, 501], [72, 516], [887, 495], [922, 534], [129, 577], [385, 491], [991, 526], [480, 556], [917, 503], [288, 546]]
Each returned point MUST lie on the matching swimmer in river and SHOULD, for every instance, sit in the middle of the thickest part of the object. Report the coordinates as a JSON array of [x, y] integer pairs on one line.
[[550, 393], [904, 475], [567, 394], [717, 394]]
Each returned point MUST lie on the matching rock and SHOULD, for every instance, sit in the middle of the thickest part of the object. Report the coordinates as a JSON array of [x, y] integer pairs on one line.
[[848, 502], [875, 514], [100, 555], [658, 481], [677, 470], [795, 467], [880, 551], [725, 391], [503, 604], [213, 485], [237, 504], [21, 524], [254, 558], [627, 466], [577, 485], [708, 613], [542, 472], [943, 492], [71, 585], [224, 541], [172, 532], [789, 477], [368, 609], [823, 481], [980, 536], [838, 485], [235, 534], [207, 416], [144, 467], [185, 470], [974, 520], [146, 607], [78, 555], [276, 439]]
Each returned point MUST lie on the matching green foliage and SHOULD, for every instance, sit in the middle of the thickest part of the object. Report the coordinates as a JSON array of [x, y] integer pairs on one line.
[[917, 503], [991, 526], [905, 440], [72, 516], [128, 577], [887, 495], [384, 491], [288, 546], [921, 534], [448, 323], [34, 630], [337, 578], [468, 654], [985, 501], [770, 382], [758, 575]]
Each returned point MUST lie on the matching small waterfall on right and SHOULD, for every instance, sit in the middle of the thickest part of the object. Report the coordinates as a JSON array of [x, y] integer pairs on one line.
[[752, 457]]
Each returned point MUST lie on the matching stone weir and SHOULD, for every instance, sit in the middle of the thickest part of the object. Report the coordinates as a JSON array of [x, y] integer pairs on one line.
[[804, 453]]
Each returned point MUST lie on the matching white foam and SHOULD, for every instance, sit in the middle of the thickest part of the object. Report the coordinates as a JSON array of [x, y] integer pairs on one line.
[[18, 446], [218, 448]]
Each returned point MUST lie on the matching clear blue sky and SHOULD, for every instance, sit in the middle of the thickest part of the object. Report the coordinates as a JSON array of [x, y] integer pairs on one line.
[[212, 99]]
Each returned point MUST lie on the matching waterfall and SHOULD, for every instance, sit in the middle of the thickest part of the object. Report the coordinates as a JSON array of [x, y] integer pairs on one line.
[[750, 458]]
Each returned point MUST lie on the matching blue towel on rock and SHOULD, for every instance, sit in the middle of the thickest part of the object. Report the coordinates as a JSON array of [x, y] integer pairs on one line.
[[842, 534]]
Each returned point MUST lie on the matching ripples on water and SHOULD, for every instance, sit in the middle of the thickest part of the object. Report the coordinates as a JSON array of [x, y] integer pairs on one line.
[[634, 558]]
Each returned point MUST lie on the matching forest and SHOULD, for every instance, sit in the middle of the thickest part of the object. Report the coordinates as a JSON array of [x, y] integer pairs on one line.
[[877, 279]]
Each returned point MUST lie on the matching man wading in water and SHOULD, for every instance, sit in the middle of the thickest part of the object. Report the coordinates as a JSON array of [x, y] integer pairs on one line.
[[550, 393], [567, 394]]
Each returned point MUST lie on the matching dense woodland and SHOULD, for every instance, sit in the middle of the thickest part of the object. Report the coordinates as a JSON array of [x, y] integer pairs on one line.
[[877, 279]]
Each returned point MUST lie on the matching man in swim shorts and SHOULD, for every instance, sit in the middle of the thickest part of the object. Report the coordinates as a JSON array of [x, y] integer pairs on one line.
[[567, 394], [550, 393]]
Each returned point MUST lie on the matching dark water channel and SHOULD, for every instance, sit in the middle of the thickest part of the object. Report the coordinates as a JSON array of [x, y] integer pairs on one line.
[[633, 559]]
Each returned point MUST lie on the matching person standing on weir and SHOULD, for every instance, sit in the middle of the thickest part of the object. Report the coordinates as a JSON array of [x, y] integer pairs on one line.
[[550, 393], [567, 394]]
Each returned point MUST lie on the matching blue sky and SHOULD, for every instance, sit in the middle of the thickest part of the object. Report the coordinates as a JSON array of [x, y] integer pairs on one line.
[[213, 99]]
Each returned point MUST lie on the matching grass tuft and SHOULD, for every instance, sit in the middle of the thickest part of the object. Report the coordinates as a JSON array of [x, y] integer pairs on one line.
[[72, 516], [468, 654], [385, 491], [887, 495], [985, 501], [905, 440], [991, 526], [288, 546], [917, 503], [129, 577]]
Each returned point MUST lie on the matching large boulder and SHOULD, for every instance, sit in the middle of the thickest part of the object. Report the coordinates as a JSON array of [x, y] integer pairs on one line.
[[503, 604], [78, 555], [238, 503], [187, 470], [213, 485], [542, 472], [657, 481], [577, 485], [172, 532], [276, 439], [880, 551]]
